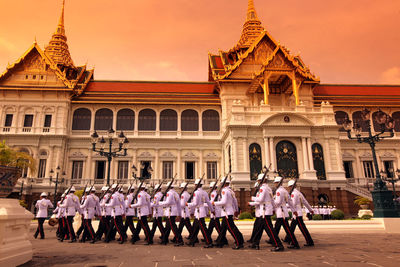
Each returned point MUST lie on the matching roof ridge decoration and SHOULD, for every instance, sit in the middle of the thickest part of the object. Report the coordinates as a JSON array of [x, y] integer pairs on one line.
[[252, 28], [57, 49]]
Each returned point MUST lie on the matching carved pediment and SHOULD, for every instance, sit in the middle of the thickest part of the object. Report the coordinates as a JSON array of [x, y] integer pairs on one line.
[[78, 154], [366, 154], [145, 154], [387, 155], [190, 155], [168, 155], [347, 155], [280, 62], [287, 120], [211, 155], [34, 63]]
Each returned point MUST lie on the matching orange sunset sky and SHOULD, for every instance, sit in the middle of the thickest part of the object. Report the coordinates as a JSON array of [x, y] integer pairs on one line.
[[342, 41]]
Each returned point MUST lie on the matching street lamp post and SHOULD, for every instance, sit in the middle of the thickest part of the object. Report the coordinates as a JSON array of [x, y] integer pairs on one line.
[[56, 182], [111, 153], [381, 196], [393, 179]]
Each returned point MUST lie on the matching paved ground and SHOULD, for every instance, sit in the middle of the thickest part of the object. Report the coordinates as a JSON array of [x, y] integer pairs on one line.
[[332, 249]]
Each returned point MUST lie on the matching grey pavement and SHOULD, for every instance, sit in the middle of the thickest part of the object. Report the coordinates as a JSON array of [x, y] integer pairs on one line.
[[331, 249]]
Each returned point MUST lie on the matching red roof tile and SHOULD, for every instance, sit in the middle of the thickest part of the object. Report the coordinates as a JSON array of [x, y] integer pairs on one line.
[[356, 90]]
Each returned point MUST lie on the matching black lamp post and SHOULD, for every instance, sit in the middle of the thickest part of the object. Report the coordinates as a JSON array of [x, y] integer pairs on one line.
[[381, 196], [56, 182], [111, 153], [393, 179]]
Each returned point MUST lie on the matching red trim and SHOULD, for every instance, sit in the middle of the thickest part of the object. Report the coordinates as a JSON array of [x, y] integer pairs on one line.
[[270, 231], [90, 230], [302, 230], [204, 233], [288, 229], [233, 233], [144, 229]]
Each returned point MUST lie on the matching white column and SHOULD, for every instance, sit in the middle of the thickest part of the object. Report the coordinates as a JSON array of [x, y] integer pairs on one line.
[[267, 152], [50, 160], [156, 165], [245, 155], [201, 167], [114, 123], [92, 120], [234, 155], [200, 123], [272, 154], [88, 166], [310, 158], [305, 154], [327, 156], [157, 123], [178, 165], [358, 170], [136, 125], [338, 157], [179, 122]]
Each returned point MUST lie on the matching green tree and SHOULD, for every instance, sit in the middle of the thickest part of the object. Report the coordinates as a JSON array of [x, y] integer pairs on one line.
[[13, 158]]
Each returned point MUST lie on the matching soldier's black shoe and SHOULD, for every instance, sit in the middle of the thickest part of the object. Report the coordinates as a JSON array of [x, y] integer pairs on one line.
[[163, 243], [35, 236], [81, 241], [61, 240], [256, 247], [190, 244], [276, 249], [107, 241], [238, 247], [148, 243], [122, 241], [308, 245], [219, 245], [93, 241], [42, 238], [208, 246], [249, 241], [293, 247], [72, 241], [179, 244]]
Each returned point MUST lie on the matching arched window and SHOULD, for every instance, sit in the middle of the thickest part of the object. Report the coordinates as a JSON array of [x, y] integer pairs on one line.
[[318, 159], [168, 120], [255, 160], [341, 117], [103, 119], [357, 120], [210, 120], [81, 119], [396, 118], [377, 126], [126, 120], [147, 120], [286, 158], [190, 120]]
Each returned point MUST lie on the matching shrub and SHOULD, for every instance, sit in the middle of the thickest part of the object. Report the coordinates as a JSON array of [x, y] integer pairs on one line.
[[337, 215], [317, 217], [361, 201], [245, 215], [23, 204], [366, 217]]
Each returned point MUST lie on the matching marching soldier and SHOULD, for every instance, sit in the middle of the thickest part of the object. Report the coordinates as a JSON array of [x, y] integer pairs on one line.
[[256, 224], [200, 198], [143, 210], [42, 205], [105, 218], [216, 216], [118, 210], [298, 200], [172, 207], [185, 212], [281, 199], [71, 205], [229, 206], [265, 205], [82, 227], [130, 212], [60, 213], [157, 211], [91, 207]]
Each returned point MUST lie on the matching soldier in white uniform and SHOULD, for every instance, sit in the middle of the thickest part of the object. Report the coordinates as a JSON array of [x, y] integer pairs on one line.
[[91, 207], [282, 213], [200, 198], [185, 212], [60, 214], [256, 206], [157, 211], [82, 227], [42, 205], [117, 204], [215, 217], [229, 206], [104, 224], [130, 212], [172, 206], [71, 205], [143, 211], [266, 206]]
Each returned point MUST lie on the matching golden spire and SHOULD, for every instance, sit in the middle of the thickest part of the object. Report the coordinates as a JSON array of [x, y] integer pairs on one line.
[[252, 28], [57, 49]]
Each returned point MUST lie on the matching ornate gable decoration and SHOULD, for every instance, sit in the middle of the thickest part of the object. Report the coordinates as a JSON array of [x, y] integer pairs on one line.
[[168, 155], [212, 155], [190, 155], [146, 155], [78, 155]]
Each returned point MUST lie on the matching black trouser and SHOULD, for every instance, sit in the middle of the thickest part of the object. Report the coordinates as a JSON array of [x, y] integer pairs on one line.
[[185, 222], [303, 229], [256, 227], [265, 224], [285, 223], [103, 227], [200, 224], [40, 228], [88, 233], [59, 228], [81, 228], [70, 228], [228, 224], [129, 224], [119, 226], [142, 223], [309, 216], [215, 223], [171, 225], [64, 234], [157, 222]]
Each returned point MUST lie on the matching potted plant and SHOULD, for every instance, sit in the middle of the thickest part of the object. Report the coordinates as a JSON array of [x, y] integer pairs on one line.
[[362, 202], [12, 162]]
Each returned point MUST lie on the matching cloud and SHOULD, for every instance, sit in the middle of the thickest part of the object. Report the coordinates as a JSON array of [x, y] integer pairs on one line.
[[391, 76]]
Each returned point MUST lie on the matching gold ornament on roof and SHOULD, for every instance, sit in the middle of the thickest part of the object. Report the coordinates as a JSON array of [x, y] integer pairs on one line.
[[252, 28]]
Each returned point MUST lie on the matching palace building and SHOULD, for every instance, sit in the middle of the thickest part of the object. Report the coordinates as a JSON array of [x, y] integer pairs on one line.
[[262, 106]]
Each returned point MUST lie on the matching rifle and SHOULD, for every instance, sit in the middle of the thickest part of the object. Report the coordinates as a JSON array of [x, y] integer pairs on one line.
[[137, 192], [129, 189], [169, 186], [105, 193], [69, 190], [183, 190], [280, 183], [195, 188], [112, 193], [215, 186], [222, 185], [262, 180], [84, 193], [156, 189], [293, 186]]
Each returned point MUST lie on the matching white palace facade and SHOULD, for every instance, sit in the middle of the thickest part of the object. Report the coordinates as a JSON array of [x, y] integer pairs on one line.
[[262, 106]]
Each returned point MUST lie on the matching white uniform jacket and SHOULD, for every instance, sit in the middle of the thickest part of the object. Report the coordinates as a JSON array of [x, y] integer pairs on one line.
[[71, 204], [185, 213], [128, 201], [105, 211], [158, 210], [298, 201], [265, 201], [58, 211], [42, 205], [228, 202], [172, 204], [217, 209], [200, 197], [143, 204], [117, 204], [91, 206], [281, 199]]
